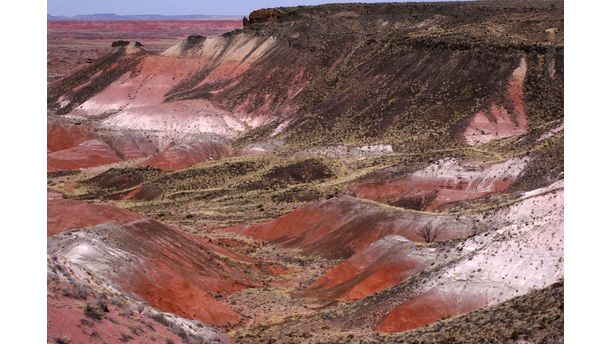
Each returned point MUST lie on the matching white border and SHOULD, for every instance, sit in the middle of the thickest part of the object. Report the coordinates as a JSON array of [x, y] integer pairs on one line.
[[23, 191], [588, 236], [588, 130]]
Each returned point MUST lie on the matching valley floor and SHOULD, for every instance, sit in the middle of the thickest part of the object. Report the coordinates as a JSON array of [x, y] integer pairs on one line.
[[287, 285]]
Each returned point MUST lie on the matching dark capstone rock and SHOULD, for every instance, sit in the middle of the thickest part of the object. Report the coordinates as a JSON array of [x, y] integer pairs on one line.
[[120, 43], [264, 15], [192, 41]]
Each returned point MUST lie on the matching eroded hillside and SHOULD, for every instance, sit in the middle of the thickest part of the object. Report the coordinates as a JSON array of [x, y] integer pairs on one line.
[[338, 173]]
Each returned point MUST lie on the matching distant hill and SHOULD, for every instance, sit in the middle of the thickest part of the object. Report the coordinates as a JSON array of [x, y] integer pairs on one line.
[[113, 16]]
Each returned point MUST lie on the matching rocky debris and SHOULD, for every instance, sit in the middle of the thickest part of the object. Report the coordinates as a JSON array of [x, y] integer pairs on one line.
[[120, 43]]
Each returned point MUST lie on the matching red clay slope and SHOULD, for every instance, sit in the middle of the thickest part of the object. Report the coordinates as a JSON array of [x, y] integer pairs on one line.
[[426, 308], [447, 181], [142, 90], [522, 250], [66, 214], [86, 154], [167, 268], [339, 227], [382, 265], [71, 146], [131, 146], [64, 136], [187, 154], [182, 275]]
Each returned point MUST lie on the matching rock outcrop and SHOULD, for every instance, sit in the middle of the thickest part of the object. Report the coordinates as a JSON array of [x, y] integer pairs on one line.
[[264, 15]]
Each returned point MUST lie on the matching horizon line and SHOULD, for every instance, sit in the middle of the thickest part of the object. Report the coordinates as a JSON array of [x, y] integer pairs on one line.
[[147, 14]]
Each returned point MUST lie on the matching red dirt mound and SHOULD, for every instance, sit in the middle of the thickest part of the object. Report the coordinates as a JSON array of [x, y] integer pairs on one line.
[[143, 193], [442, 183], [65, 214], [337, 228], [132, 147], [382, 265], [181, 274], [64, 136], [175, 293], [187, 154], [86, 154], [170, 270], [71, 146], [428, 307]]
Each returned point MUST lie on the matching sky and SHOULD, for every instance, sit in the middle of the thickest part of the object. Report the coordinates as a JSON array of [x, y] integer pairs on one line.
[[175, 7]]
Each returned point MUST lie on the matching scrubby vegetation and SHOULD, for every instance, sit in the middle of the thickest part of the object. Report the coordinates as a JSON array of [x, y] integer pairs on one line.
[[536, 317]]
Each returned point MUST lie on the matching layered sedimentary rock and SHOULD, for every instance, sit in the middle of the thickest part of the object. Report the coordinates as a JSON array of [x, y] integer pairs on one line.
[[399, 163], [66, 214], [274, 72], [383, 264], [498, 122], [187, 154], [523, 252], [445, 181], [170, 270], [340, 227]]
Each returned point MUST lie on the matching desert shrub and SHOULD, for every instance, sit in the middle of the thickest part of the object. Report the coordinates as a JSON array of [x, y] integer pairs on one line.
[[160, 318], [61, 340], [92, 312], [102, 304]]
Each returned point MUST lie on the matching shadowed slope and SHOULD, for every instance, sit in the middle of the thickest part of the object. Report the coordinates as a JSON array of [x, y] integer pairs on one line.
[[419, 75]]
